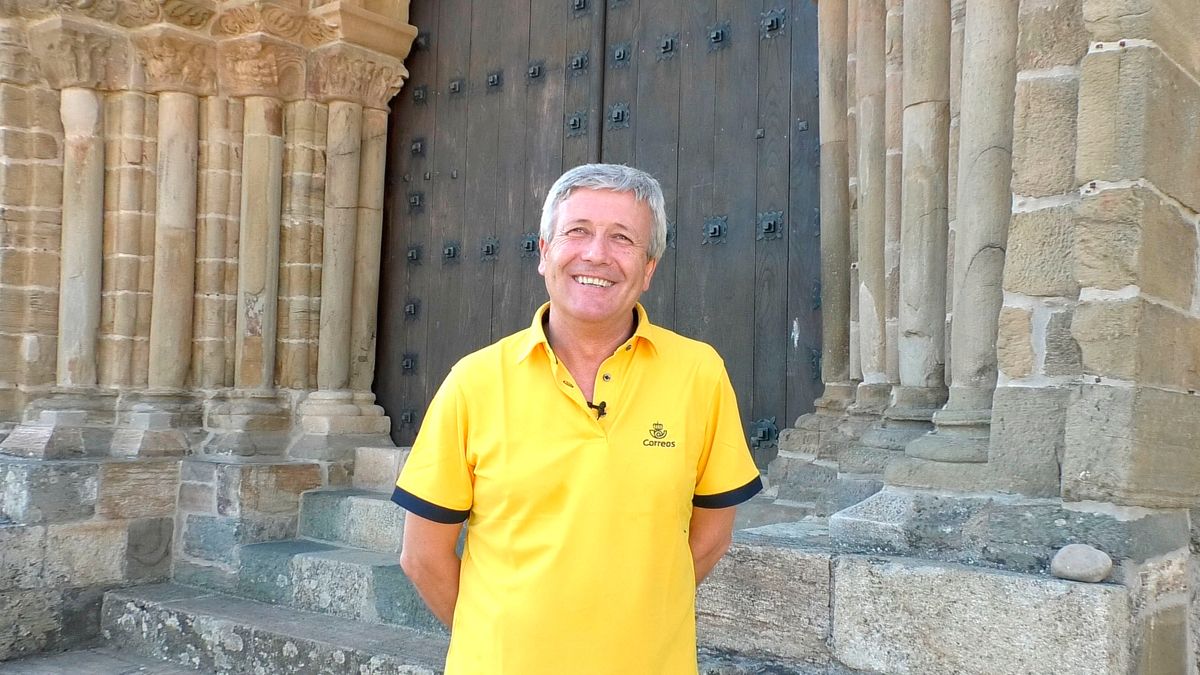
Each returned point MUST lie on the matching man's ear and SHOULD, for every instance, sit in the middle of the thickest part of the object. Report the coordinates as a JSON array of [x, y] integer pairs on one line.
[[542, 245]]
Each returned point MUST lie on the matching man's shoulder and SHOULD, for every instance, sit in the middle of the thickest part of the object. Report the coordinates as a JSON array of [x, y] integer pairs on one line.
[[507, 349]]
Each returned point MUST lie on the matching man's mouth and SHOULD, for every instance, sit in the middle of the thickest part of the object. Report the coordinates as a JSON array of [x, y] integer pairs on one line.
[[593, 281]]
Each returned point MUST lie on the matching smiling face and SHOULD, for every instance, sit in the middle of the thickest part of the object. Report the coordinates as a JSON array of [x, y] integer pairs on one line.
[[596, 266]]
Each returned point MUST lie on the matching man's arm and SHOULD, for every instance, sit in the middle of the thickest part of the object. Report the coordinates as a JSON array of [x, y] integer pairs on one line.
[[431, 563], [709, 536]]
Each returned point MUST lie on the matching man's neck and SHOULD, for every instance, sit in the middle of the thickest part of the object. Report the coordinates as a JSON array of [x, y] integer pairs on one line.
[[582, 348]]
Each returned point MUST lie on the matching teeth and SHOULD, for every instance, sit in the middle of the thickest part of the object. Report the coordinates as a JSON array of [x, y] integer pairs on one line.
[[594, 281]]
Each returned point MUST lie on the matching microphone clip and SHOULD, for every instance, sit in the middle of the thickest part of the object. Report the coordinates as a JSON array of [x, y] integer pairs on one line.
[[599, 408]]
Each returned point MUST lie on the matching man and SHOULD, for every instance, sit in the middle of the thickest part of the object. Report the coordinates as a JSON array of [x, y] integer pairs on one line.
[[596, 458]]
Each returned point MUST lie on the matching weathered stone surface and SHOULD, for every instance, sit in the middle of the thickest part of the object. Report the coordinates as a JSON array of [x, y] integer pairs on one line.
[[1132, 101], [197, 498], [33, 491], [216, 538], [1014, 342], [29, 621], [1132, 446], [86, 553], [888, 614], [1061, 349], [1080, 562], [1164, 644], [1107, 336], [264, 488], [1171, 24], [1044, 135], [148, 551], [22, 556], [377, 468], [222, 633], [1051, 34], [1040, 259], [768, 600], [80, 616], [356, 518], [1001, 531], [138, 489], [1027, 439]]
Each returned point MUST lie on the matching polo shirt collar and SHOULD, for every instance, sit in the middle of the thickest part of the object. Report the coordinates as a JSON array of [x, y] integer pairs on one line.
[[536, 335]]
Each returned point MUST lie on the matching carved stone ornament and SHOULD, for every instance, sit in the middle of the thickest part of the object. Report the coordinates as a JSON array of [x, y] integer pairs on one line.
[[125, 13], [175, 60], [343, 72], [261, 66], [309, 31], [73, 53], [193, 14]]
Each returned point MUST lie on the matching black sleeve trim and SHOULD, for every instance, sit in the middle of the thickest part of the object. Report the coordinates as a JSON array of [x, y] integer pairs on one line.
[[731, 498], [428, 510]]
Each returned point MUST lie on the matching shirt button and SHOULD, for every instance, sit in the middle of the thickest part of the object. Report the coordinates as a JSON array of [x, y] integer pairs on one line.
[[628, 347], [607, 377]]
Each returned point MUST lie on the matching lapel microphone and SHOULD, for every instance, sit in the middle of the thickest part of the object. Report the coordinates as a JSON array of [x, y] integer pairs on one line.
[[598, 408]]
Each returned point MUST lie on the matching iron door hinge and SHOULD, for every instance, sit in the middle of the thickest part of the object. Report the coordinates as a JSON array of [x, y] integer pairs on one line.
[[577, 124], [715, 229], [772, 23], [489, 248], [763, 432], [618, 116], [408, 363], [770, 225], [718, 36], [529, 245]]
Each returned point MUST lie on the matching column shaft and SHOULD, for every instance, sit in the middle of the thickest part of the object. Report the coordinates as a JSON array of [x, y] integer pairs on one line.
[[368, 246], [984, 197], [82, 234], [893, 178], [174, 240], [871, 190], [835, 196], [925, 194], [258, 245], [344, 149]]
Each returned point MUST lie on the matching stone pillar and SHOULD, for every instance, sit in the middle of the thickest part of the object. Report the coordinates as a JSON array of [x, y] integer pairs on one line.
[[852, 170], [984, 210], [925, 192], [83, 227], [893, 171], [874, 390], [357, 84]]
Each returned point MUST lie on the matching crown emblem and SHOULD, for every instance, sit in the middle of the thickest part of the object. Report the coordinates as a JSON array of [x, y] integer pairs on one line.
[[657, 430]]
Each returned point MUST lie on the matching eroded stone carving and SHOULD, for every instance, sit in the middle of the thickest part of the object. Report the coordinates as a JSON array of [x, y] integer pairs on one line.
[[188, 13], [127, 13], [176, 61], [76, 54], [261, 66], [307, 30], [347, 73]]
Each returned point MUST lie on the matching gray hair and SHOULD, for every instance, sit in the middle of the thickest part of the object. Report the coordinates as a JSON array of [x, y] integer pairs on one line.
[[617, 178]]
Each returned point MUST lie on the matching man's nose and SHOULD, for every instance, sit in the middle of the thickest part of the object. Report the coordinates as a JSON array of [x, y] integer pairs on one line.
[[596, 248]]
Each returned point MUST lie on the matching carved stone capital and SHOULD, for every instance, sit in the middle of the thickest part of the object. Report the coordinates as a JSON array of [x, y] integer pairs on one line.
[[124, 13], [387, 33], [176, 60], [281, 21], [259, 65], [192, 14], [345, 72], [74, 53]]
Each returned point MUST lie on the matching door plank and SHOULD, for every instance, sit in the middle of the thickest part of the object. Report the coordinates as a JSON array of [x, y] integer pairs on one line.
[[620, 79]]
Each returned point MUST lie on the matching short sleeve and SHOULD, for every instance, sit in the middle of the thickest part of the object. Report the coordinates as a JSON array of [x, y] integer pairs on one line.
[[726, 474], [436, 481]]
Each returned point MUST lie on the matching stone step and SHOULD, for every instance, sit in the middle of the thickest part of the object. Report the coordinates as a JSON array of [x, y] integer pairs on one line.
[[212, 632], [376, 468], [347, 582], [358, 518]]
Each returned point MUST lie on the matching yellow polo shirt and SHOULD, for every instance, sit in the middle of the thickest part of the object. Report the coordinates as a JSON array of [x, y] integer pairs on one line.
[[577, 557]]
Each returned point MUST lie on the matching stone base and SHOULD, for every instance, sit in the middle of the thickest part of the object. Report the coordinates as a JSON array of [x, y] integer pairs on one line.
[[58, 434], [960, 436], [377, 468], [246, 426], [334, 423], [1002, 531]]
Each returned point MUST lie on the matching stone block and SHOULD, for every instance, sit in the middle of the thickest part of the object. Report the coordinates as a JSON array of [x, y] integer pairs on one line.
[[138, 489], [1040, 259], [265, 572], [1135, 103], [207, 576], [1132, 446], [148, 550], [80, 616], [357, 518], [1061, 350], [154, 627], [86, 553], [1168, 348], [1107, 336], [22, 557], [376, 468], [1014, 342], [768, 601], [264, 488], [1051, 34], [216, 539], [1164, 642], [29, 621], [892, 615], [197, 470], [40, 491], [1171, 24], [197, 498], [1130, 236], [1026, 441], [1044, 135]]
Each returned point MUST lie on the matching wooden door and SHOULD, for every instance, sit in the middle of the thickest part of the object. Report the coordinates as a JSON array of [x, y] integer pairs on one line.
[[716, 98]]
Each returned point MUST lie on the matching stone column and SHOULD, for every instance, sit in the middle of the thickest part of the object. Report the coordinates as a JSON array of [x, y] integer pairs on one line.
[[357, 84], [984, 209], [872, 288], [892, 180]]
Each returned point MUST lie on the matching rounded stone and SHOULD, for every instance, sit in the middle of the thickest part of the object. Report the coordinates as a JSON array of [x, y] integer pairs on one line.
[[1080, 562]]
